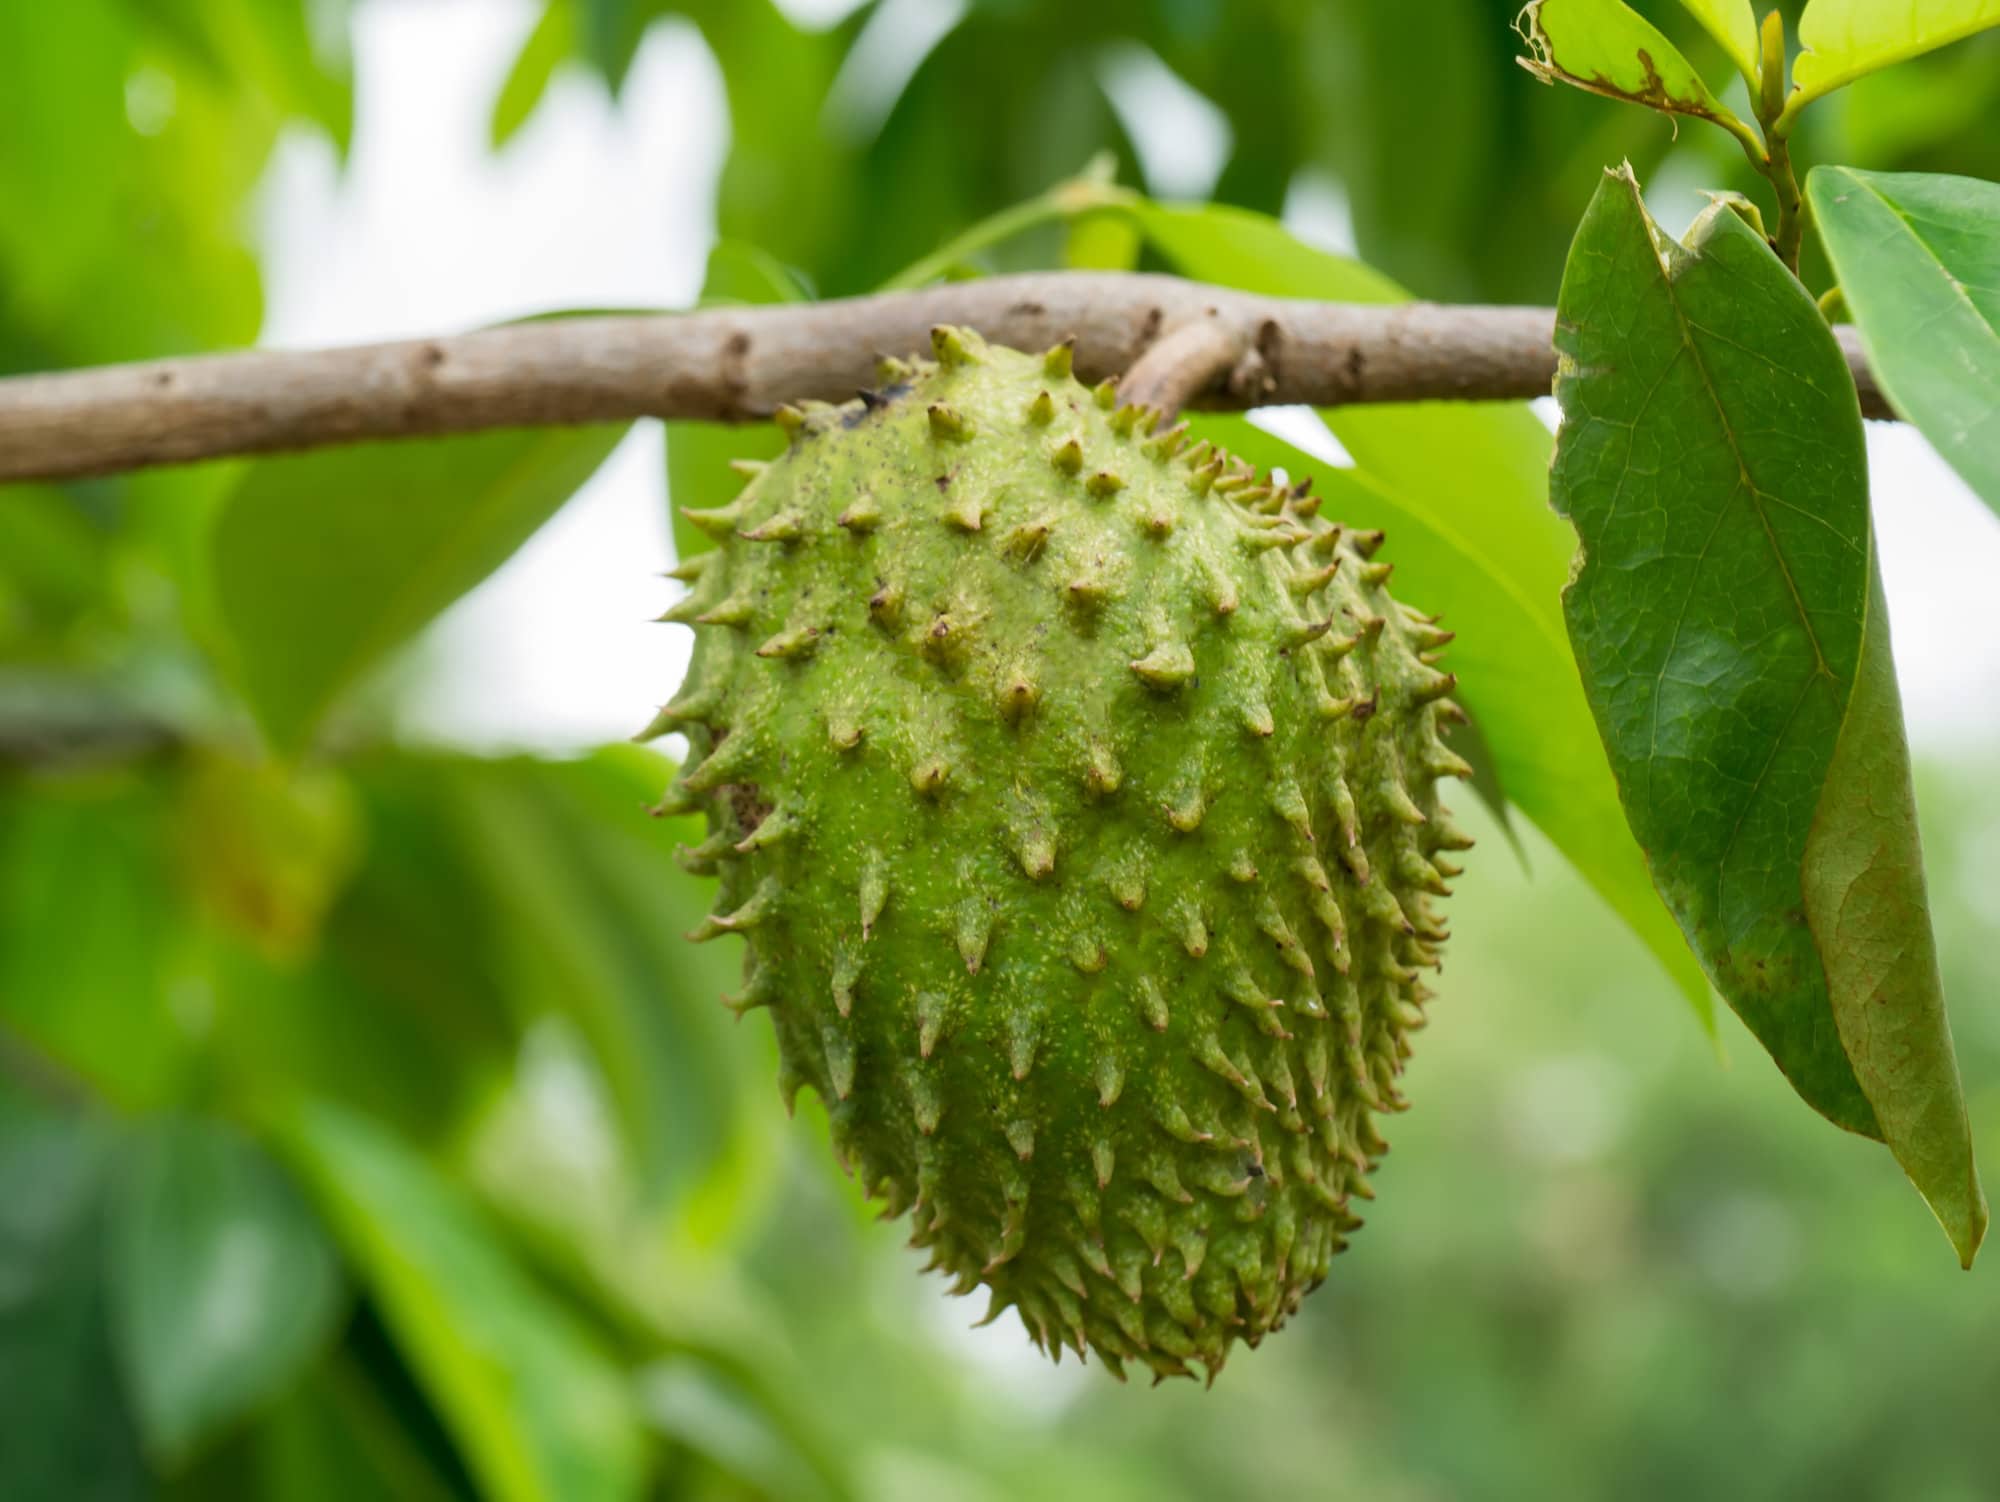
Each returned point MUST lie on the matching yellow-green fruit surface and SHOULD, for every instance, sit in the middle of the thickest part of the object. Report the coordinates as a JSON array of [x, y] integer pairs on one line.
[[1077, 797]]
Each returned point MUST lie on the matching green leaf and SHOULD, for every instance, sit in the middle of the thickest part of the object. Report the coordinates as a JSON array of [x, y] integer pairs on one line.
[[1462, 491], [699, 1406], [591, 909], [338, 1436], [739, 274], [539, 1409], [1608, 48], [67, 1430], [1843, 39], [64, 83], [324, 562], [402, 1010], [265, 846], [1734, 24], [1728, 619], [1918, 259], [85, 856], [223, 1284], [552, 41], [52, 567], [1102, 242]]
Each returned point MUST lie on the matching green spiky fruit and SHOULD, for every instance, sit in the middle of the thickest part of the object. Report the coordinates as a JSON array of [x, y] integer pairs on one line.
[[1077, 797]]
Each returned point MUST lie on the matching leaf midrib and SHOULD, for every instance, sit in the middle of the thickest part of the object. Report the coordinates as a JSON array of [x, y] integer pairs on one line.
[[1755, 496]]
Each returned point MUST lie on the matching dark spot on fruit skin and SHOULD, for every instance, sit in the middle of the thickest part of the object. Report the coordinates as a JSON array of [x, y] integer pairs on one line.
[[747, 802]]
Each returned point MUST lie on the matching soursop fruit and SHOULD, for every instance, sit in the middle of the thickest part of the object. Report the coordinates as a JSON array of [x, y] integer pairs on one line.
[[1077, 795]]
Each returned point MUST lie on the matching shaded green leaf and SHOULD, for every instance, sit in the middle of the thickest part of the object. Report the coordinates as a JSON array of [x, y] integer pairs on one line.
[[324, 562], [1462, 491], [1608, 48], [264, 846], [1727, 616], [1918, 257], [92, 939], [539, 1409], [223, 1284], [52, 562], [339, 1437], [591, 909], [1843, 39], [66, 1432], [402, 1009]]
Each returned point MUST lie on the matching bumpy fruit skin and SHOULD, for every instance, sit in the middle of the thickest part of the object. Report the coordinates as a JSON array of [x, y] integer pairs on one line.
[[1077, 797]]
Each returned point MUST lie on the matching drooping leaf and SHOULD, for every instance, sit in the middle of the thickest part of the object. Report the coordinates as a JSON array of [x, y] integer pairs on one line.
[[1734, 24], [223, 1284], [1462, 491], [1843, 39], [1608, 48], [66, 1430], [1727, 616], [1918, 257], [539, 1410], [324, 562]]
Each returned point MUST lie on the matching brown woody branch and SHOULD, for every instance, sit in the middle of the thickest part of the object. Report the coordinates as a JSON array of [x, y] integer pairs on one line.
[[1230, 350]]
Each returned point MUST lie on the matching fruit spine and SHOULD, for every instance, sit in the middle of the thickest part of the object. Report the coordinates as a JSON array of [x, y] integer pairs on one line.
[[1076, 793]]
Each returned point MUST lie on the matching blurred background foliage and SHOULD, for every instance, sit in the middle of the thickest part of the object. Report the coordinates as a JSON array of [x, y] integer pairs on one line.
[[366, 1129]]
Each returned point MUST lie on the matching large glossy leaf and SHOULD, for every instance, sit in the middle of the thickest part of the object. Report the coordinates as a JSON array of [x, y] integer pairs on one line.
[[1463, 493], [1918, 258], [1843, 39], [1734, 24], [1727, 615], [539, 1410], [223, 1283], [324, 562], [66, 1430], [1608, 48]]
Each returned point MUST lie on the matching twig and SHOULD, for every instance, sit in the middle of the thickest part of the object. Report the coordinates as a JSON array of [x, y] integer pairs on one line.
[[741, 364], [1182, 365]]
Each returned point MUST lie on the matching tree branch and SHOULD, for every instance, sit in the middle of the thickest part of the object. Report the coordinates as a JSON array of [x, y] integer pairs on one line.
[[741, 364], [1178, 367]]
